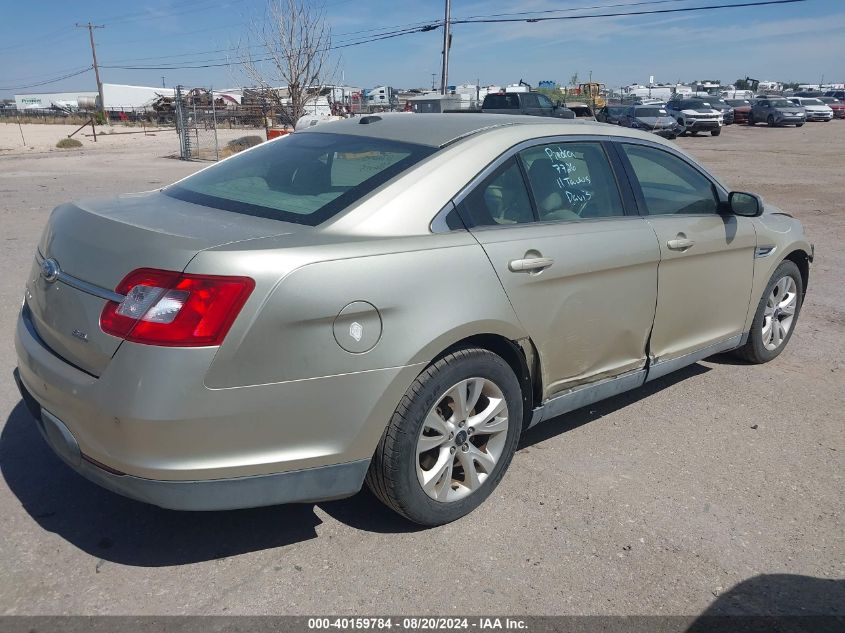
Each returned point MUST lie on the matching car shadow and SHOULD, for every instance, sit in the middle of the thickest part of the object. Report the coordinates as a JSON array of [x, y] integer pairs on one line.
[[777, 602], [120, 530]]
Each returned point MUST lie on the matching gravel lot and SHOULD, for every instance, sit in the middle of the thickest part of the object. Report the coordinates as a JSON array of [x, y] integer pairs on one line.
[[719, 487]]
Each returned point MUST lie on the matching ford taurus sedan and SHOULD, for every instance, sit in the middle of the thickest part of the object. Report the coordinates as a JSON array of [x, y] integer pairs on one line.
[[392, 299]]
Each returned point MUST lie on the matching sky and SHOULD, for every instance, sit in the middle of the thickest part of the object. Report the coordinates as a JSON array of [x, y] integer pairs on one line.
[[801, 42]]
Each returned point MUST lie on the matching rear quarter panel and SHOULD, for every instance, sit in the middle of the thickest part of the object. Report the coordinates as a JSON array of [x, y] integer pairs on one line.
[[430, 291]]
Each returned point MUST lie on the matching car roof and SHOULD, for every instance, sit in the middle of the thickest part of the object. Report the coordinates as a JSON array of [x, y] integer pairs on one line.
[[434, 130]]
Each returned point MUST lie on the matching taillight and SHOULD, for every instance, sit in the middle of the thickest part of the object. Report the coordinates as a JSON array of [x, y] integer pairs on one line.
[[167, 308]]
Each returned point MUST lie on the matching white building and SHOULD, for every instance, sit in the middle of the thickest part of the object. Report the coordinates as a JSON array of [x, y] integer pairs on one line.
[[115, 97], [45, 100]]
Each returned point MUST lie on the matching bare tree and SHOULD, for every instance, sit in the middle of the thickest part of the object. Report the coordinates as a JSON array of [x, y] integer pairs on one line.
[[288, 56]]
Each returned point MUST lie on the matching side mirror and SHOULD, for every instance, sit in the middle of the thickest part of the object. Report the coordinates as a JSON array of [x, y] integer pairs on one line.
[[748, 205]]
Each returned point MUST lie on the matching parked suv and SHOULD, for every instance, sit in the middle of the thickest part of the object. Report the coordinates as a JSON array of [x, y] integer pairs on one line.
[[717, 103], [530, 103], [741, 108], [836, 94], [776, 111], [695, 115]]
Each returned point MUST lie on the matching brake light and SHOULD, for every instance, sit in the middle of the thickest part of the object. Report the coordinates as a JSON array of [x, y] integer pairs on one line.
[[167, 308]]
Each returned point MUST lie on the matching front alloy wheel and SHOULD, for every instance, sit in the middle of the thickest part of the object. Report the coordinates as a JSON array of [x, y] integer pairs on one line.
[[779, 313]]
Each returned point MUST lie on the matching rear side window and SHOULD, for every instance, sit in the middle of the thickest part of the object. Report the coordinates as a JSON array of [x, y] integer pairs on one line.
[[305, 178], [669, 185], [571, 181], [500, 199], [501, 102]]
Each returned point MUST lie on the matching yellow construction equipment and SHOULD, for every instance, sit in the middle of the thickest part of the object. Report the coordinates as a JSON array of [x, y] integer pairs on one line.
[[592, 91]]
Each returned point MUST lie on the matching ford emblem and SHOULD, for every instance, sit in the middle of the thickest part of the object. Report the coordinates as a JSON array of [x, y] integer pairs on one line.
[[50, 270]]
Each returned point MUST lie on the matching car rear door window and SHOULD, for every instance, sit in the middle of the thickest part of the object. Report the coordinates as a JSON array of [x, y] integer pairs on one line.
[[571, 181], [501, 198], [669, 185]]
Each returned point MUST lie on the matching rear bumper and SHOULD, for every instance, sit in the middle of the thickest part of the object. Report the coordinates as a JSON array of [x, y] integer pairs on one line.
[[149, 429], [311, 484]]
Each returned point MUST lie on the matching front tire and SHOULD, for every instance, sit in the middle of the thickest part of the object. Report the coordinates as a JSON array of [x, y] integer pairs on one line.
[[450, 440], [715, 132], [776, 316], [771, 121]]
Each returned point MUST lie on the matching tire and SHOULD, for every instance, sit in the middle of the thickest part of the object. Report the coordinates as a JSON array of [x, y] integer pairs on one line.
[[750, 120], [715, 132], [683, 128], [770, 121], [398, 468], [798, 124], [758, 349]]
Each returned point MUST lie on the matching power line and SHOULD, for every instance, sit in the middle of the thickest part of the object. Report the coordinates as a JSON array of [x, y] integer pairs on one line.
[[223, 62], [476, 20], [483, 20], [49, 81], [421, 27]]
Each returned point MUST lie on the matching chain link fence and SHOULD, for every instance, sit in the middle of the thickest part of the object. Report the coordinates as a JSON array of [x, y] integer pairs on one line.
[[196, 124]]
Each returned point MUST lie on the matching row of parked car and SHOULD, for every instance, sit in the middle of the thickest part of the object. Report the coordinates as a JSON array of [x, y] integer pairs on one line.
[[692, 115]]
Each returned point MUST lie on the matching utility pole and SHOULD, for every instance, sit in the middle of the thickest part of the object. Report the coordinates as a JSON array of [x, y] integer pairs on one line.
[[162, 82], [447, 43], [91, 28]]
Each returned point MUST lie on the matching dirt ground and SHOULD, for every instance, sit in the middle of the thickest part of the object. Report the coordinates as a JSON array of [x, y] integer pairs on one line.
[[131, 141], [718, 488]]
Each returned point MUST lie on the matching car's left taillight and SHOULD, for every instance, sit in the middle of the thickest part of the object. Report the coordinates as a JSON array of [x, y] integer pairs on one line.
[[172, 309]]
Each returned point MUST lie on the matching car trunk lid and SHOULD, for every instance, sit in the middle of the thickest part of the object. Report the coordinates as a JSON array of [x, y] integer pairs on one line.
[[96, 243]]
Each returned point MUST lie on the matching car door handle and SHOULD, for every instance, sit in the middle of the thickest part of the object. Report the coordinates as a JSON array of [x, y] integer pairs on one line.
[[530, 264], [680, 244]]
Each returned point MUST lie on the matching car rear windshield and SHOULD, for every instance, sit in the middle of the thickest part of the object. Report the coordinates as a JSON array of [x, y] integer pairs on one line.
[[500, 102], [304, 178]]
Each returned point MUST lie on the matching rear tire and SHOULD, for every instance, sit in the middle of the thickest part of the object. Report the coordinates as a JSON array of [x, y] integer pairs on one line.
[[421, 465], [779, 305]]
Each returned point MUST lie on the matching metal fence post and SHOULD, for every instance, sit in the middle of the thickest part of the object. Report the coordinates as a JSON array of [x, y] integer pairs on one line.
[[214, 120]]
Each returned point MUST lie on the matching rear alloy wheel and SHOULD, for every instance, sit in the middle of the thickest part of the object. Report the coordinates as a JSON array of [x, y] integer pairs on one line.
[[776, 315], [451, 438]]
